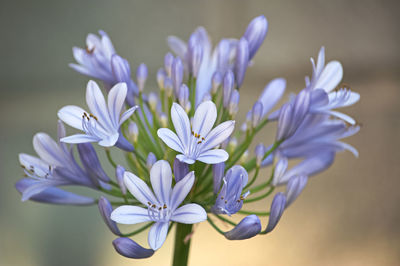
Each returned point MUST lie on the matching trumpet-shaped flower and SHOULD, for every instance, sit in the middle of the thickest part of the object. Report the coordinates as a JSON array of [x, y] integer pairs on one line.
[[162, 205], [197, 142], [230, 198], [58, 167], [102, 123]]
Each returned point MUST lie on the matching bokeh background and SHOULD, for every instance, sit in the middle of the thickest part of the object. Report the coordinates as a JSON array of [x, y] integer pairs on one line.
[[348, 215]]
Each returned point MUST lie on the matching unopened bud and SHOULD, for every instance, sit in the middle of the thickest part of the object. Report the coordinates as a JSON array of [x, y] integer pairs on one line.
[[153, 100], [133, 132], [141, 76]]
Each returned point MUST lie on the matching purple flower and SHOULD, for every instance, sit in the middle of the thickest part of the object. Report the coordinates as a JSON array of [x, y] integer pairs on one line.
[[255, 34], [197, 142], [130, 249], [103, 123], [162, 205], [248, 227], [276, 211]]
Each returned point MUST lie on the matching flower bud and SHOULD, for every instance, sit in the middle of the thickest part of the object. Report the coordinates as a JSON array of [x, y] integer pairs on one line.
[[216, 82], [280, 170], [255, 34], [177, 74], [248, 227], [130, 249], [105, 209], [242, 61], [168, 61], [133, 132], [233, 107], [196, 58], [151, 159], [229, 82], [256, 113], [183, 96], [244, 157], [218, 174], [233, 142], [259, 151], [163, 120], [161, 75], [91, 163], [153, 101], [181, 169], [141, 76], [119, 173], [169, 87], [276, 211]]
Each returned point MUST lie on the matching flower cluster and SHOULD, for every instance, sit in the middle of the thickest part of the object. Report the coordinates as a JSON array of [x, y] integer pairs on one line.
[[187, 160]]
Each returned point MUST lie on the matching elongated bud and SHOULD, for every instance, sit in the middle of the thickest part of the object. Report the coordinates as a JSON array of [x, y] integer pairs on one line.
[[169, 87], [130, 249], [153, 101], [244, 157], [161, 75], [141, 76], [216, 82], [105, 209], [242, 61], [294, 187], [151, 159], [248, 227], [163, 120], [229, 82], [280, 170], [196, 59], [119, 174], [168, 61], [259, 151], [256, 113], [218, 174], [223, 55], [183, 96], [249, 117], [255, 34], [61, 132], [232, 144], [233, 107], [133, 132], [177, 74], [181, 169], [276, 211], [91, 163]]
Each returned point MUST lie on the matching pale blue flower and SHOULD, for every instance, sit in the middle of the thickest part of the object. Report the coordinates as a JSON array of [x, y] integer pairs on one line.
[[276, 211], [58, 167], [230, 198], [162, 205], [102, 123], [197, 142], [105, 210], [255, 34]]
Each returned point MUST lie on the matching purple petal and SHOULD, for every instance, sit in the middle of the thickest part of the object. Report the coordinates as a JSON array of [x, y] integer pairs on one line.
[[248, 227], [105, 209], [139, 189], [157, 235], [161, 180], [116, 100], [271, 94], [130, 249], [276, 211], [181, 190], [181, 169], [189, 214]]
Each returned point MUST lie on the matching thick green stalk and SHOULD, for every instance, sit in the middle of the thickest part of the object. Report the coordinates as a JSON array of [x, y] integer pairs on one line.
[[182, 245]]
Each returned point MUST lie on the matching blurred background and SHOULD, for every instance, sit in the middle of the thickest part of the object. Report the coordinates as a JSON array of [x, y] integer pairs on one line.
[[348, 215]]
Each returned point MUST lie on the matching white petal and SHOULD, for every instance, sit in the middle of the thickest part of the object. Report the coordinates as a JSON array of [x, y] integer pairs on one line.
[[109, 140], [183, 158], [48, 150], [79, 138], [97, 105], [116, 99], [127, 114], [218, 135], [181, 124], [40, 166], [204, 118], [130, 215], [38, 187], [272, 94], [342, 116], [72, 116], [139, 189], [213, 156], [161, 180], [157, 235], [330, 77], [170, 138], [189, 214], [181, 189]]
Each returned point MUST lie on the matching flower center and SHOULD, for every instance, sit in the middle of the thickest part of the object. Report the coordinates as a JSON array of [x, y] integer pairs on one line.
[[158, 213]]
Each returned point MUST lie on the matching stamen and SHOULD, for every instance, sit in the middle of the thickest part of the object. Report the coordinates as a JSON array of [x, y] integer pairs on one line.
[[89, 51]]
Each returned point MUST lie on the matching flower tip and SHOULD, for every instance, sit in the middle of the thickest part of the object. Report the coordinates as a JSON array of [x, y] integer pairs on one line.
[[130, 249]]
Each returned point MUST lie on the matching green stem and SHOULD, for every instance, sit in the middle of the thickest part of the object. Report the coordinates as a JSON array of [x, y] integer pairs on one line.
[[110, 159], [214, 226], [141, 229], [253, 212], [182, 245], [266, 194]]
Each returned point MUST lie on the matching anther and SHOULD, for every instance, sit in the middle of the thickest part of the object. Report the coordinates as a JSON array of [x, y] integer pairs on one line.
[[226, 201], [89, 51], [153, 206], [165, 206], [149, 203]]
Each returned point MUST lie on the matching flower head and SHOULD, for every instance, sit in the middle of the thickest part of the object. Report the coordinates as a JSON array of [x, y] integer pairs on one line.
[[196, 142], [162, 205], [103, 121]]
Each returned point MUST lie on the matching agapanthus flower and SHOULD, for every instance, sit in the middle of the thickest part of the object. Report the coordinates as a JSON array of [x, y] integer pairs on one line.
[[56, 166], [196, 142], [162, 205], [102, 123], [230, 198]]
